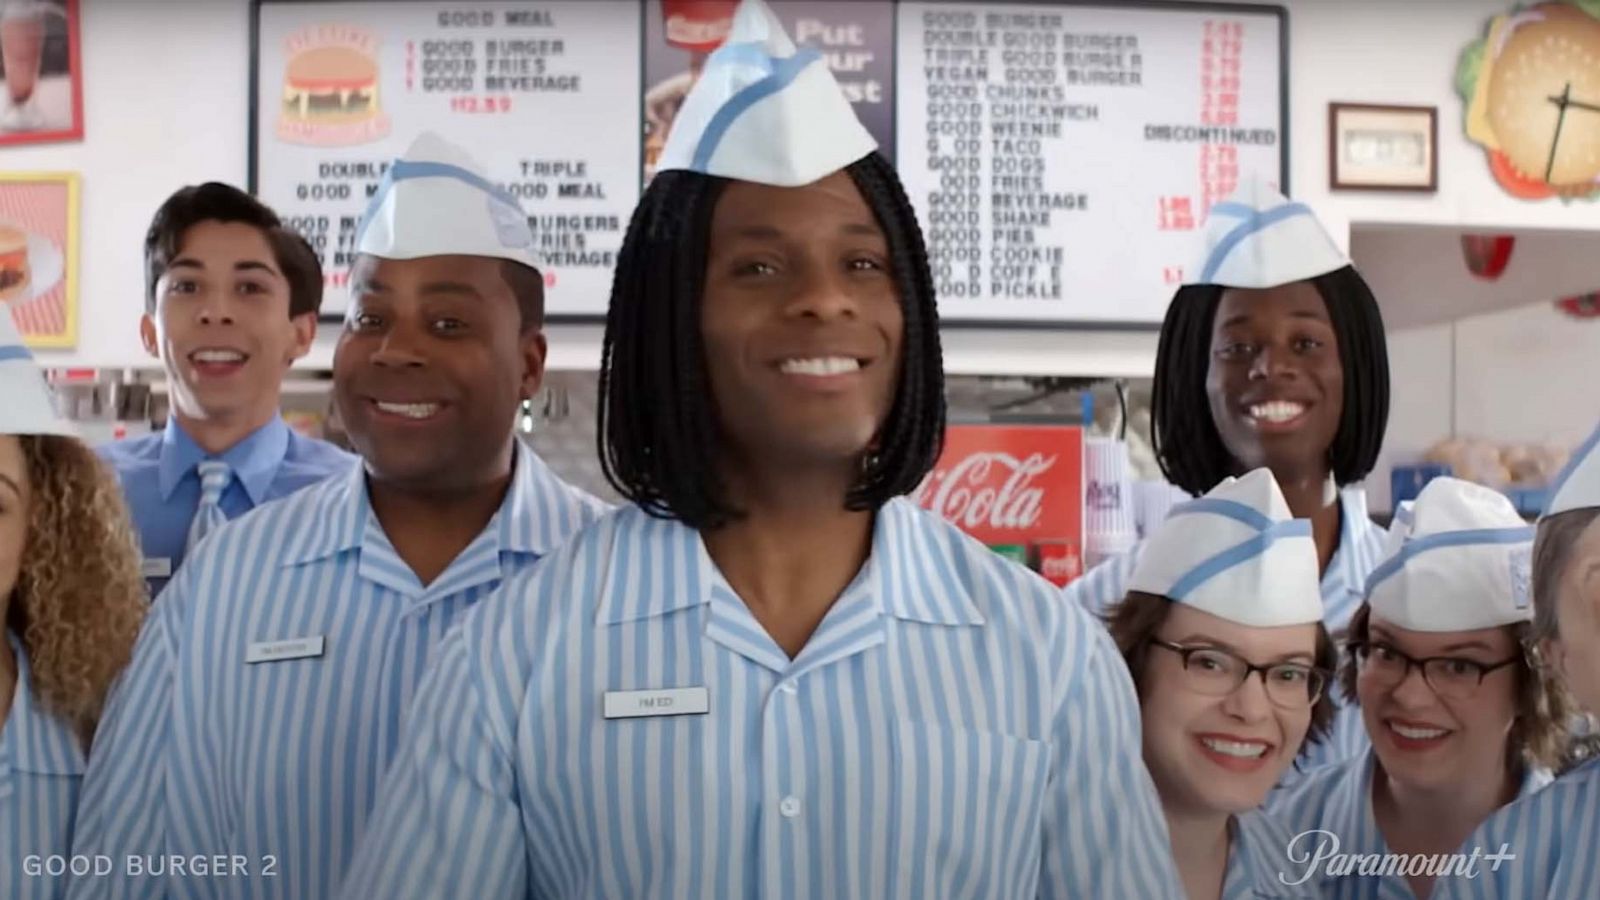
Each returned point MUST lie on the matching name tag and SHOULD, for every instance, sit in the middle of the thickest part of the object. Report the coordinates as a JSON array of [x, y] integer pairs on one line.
[[689, 701], [277, 651], [158, 567]]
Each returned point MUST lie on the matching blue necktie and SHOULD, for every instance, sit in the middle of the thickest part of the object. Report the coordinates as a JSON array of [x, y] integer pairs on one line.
[[214, 478]]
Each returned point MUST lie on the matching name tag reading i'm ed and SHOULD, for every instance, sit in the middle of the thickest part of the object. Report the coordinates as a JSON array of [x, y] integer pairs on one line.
[[290, 648], [689, 701], [158, 567]]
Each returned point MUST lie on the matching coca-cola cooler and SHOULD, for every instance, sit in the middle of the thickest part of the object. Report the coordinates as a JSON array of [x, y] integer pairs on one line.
[[1017, 488]]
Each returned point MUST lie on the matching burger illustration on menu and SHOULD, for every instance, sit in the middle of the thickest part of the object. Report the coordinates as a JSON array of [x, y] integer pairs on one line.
[[331, 94], [1532, 91]]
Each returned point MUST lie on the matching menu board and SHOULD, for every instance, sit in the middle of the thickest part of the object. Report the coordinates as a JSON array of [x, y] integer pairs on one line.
[[1061, 157], [536, 91]]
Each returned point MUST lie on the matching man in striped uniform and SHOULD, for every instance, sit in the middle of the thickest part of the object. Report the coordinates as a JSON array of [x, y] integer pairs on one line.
[[1545, 844], [772, 676], [266, 694]]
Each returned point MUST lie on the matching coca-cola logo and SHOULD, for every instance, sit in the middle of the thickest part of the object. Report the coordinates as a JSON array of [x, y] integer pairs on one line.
[[1060, 568], [988, 490]]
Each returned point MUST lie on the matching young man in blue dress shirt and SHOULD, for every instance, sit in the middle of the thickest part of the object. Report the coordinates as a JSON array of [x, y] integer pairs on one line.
[[231, 300]]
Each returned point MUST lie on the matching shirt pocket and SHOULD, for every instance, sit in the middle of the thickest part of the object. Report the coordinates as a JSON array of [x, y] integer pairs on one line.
[[958, 814]]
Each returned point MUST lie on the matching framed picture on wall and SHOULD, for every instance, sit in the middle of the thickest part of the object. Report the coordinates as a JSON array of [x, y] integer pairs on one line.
[[1383, 148], [43, 72], [39, 255]]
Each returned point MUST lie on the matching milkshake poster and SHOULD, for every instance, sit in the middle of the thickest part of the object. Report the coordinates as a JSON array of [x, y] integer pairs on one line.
[[43, 72], [856, 37], [39, 256]]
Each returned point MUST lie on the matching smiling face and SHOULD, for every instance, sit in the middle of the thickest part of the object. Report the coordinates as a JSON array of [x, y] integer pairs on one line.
[[1210, 754], [1429, 741], [432, 368], [802, 323], [1275, 382], [221, 324]]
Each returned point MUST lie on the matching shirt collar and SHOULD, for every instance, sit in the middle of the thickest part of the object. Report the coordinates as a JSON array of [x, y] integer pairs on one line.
[[1253, 867], [1533, 779], [916, 571], [538, 511], [34, 740], [255, 460], [1346, 572], [1363, 770]]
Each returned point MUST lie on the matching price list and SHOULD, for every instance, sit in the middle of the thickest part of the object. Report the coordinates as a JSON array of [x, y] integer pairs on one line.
[[1060, 158], [534, 91]]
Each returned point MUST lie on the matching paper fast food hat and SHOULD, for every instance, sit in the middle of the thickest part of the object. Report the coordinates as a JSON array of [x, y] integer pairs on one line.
[[1238, 554], [436, 201], [27, 407], [764, 111], [1579, 484], [1460, 563], [1259, 238]]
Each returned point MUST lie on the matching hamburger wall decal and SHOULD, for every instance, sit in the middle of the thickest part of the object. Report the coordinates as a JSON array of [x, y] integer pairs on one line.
[[330, 88], [1531, 89]]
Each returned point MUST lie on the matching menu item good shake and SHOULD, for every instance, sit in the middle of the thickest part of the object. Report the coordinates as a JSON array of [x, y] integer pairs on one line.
[[14, 273], [22, 47]]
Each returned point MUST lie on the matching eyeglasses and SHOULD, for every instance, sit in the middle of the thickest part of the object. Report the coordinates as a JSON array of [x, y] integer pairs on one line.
[[1453, 677], [1218, 673]]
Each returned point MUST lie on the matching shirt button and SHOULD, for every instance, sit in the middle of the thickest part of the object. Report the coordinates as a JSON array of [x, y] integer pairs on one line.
[[789, 687], [789, 807]]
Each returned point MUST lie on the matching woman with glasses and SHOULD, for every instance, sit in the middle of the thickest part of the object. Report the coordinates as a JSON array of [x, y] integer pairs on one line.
[[1221, 631], [1460, 723], [1555, 833]]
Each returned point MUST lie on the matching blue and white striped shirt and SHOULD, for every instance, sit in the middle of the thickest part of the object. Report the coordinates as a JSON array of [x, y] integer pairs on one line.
[[1337, 799], [952, 729], [41, 767], [1258, 861], [206, 752], [162, 487], [1343, 585], [1555, 835]]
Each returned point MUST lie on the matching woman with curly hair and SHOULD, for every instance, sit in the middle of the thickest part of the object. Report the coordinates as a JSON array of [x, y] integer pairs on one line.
[[72, 597]]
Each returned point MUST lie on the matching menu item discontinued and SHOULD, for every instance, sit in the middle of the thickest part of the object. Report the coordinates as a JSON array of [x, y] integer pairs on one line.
[[1061, 157], [537, 92]]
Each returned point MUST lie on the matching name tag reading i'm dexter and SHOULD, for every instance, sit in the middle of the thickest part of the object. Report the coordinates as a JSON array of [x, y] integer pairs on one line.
[[689, 701]]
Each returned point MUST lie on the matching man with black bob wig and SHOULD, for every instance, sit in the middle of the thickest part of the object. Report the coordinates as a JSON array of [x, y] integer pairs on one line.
[[772, 675], [1273, 355]]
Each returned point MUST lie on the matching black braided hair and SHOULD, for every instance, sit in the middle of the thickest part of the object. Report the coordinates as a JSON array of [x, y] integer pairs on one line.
[[657, 423], [1185, 439]]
